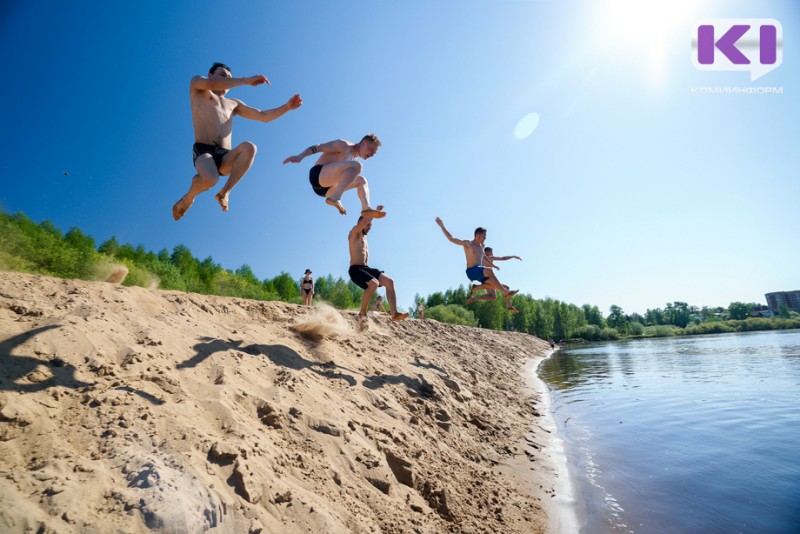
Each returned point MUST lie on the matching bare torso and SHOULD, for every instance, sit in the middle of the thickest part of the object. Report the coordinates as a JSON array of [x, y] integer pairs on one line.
[[359, 250], [474, 252], [212, 116], [346, 152]]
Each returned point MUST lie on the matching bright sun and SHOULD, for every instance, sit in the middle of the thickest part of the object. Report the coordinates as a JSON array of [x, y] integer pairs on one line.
[[647, 30], [632, 22]]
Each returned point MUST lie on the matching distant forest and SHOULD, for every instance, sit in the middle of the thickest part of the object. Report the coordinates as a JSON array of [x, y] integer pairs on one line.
[[42, 248]]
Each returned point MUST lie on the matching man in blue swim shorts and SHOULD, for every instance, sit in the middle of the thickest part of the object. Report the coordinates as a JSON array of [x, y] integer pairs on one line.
[[476, 270], [212, 115]]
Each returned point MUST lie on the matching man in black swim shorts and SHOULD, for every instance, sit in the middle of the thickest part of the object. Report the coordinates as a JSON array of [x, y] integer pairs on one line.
[[337, 171], [365, 277], [212, 115]]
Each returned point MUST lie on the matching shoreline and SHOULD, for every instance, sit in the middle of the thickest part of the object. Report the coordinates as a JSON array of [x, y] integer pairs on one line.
[[562, 508]]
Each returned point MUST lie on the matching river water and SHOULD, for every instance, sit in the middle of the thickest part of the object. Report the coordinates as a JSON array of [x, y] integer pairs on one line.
[[682, 435]]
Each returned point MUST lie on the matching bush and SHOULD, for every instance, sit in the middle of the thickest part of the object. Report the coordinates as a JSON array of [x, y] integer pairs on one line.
[[708, 328], [451, 314], [661, 330]]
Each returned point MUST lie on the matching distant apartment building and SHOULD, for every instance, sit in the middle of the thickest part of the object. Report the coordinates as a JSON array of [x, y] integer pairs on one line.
[[789, 298]]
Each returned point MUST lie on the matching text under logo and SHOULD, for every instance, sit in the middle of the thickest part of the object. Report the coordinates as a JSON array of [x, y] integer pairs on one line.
[[754, 45]]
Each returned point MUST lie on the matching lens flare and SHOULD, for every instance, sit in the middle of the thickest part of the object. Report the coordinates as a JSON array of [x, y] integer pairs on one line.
[[526, 125]]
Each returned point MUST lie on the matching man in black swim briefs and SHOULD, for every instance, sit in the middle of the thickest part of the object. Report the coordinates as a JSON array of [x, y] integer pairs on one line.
[[365, 277], [337, 171], [212, 115]]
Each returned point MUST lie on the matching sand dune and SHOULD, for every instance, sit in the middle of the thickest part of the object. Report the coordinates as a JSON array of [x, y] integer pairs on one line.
[[133, 410]]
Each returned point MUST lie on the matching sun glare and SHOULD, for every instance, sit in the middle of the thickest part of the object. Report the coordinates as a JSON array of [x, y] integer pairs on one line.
[[645, 31], [526, 125], [636, 22]]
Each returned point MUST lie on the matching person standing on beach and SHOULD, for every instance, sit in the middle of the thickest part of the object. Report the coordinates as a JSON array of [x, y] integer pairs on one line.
[[476, 271], [337, 171], [365, 277], [377, 306], [212, 115], [307, 285], [420, 310]]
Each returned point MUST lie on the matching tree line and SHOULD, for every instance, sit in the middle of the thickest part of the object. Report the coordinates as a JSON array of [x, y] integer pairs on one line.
[[551, 319], [43, 249]]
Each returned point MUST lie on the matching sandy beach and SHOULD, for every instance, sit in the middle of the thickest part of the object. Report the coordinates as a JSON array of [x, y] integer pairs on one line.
[[134, 410]]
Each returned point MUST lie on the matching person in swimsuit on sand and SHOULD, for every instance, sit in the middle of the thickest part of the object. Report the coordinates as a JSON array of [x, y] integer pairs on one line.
[[377, 307], [488, 261], [476, 271], [307, 285], [365, 277], [337, 171], [212, 115]]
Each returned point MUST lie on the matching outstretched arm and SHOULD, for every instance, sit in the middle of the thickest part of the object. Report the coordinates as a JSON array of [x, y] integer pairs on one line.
[[201, 83], [449, 237], [504, 258], [267, 115], [329, 147]]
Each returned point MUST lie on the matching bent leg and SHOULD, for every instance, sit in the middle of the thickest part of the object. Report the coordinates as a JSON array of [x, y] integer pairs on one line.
[[206, 178], [338, 176], [490, 294], [388, 283], [372, 285], [493, 283], [236, 163]]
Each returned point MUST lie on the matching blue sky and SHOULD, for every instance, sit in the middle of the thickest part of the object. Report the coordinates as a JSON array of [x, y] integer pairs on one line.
[[634, 188]]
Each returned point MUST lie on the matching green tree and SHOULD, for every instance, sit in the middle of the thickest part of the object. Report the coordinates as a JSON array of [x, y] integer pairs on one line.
[[739, 310], [617, 319], [593, 315], [287, 287]]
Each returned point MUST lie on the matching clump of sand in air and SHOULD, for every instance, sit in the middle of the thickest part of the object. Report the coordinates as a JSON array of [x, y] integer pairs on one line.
[[113, 273], [324, 321]]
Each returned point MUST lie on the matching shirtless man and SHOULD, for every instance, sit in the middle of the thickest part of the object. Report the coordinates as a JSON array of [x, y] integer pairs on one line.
[[366, 277], [488, 261], [476, 271], [337, 171], [212, 115]]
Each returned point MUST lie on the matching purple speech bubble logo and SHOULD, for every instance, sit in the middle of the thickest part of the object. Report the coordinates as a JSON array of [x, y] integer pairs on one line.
[[755, 45]]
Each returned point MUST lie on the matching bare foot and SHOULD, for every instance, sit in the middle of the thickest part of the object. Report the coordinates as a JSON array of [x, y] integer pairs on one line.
[[399, 317], [512, 309], [336, 204], [375, 214], [180, 207], [223, 200], [470, 300], [362, 323], [511, 293]]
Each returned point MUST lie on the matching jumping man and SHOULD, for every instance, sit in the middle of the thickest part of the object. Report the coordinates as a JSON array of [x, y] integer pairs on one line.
[[476, 271], [337, 171], [212, 115], [366, 277]]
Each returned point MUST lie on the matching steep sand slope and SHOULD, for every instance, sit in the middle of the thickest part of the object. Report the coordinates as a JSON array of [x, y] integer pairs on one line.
[[135, 410]]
